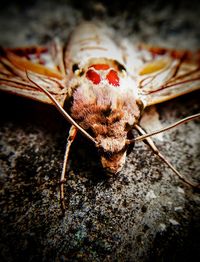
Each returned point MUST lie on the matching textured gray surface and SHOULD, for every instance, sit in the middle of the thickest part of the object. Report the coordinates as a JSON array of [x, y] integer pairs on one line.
[[143, 214]]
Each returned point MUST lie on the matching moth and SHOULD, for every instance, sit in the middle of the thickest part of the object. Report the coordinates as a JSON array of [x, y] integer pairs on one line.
[[101, 84]]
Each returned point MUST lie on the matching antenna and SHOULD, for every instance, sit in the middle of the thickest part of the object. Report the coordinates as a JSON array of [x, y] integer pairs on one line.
[[61, 110], [184, 120]]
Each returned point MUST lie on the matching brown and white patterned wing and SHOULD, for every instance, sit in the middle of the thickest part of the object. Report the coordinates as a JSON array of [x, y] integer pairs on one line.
[[166, 73], [43, 65]]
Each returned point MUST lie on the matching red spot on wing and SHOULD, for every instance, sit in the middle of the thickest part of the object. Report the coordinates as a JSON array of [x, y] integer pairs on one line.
[[100, 66], [93, 76], [113, 78]]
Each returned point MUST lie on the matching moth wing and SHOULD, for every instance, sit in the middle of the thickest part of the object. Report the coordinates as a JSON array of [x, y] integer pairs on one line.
[[44, 66], [164, 74]]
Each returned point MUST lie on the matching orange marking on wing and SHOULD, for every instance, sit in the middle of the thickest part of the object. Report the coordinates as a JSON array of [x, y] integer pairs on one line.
[[154, 66], [24, 64], [27, 50], [158, 50]]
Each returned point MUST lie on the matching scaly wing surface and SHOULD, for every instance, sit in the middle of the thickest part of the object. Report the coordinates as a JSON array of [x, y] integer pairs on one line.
[[164, 74], [44, 66]]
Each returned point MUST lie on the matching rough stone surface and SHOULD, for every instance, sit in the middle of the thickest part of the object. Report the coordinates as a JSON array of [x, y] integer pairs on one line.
[[143, 214]]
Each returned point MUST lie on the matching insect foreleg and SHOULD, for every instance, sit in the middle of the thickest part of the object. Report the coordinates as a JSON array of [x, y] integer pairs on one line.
[[157, 152], [72, 134]]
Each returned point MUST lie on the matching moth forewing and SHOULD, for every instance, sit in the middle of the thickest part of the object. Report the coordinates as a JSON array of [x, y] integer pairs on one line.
[[43, 67], [159, 81]]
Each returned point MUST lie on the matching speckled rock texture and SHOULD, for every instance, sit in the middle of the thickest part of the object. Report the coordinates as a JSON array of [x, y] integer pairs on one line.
[[145, 213]]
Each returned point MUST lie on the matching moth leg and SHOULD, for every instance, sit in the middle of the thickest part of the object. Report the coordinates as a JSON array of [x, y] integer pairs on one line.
[[157, 152], [72, 134]]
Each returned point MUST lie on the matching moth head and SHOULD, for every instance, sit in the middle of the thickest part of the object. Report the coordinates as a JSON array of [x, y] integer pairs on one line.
[[112, 154], [114, 163]]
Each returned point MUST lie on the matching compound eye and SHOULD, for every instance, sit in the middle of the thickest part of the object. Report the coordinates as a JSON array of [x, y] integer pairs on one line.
[[113, 78], [93, 76]]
